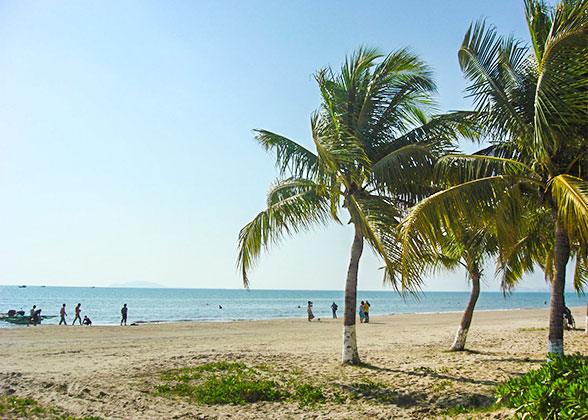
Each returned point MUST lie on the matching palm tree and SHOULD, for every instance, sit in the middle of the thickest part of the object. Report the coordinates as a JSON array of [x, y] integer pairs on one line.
[[534, 105], [468, 248], [375, 146]]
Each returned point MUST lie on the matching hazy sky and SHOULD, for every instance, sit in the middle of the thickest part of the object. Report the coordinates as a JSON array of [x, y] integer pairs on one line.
[[126, 150]]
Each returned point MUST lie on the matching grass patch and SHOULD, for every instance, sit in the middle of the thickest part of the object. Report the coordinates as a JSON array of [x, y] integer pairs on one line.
[[22, 407], [465, 409], [440, 386], [532, 329], [235, 383], [12, 407]]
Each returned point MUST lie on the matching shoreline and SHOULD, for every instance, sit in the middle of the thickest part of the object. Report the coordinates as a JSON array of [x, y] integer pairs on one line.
[[217, 321]]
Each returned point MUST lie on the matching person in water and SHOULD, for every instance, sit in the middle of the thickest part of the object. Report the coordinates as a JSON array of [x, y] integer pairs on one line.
[[78, 317], [62, 315], [124, 310]]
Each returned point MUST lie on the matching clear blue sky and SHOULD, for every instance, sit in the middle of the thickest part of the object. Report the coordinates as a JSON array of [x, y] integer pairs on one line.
[[126, 150]]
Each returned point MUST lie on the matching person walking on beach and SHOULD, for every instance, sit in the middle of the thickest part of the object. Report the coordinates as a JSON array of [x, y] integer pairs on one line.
[[62, 315], [334, 308], [309, 311], [123, 312], [366, 311], [361, 312], [78, 310]]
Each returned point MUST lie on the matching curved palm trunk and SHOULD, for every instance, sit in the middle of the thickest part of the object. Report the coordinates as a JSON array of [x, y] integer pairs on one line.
[[561, 252], [350, 353], [466, 319]]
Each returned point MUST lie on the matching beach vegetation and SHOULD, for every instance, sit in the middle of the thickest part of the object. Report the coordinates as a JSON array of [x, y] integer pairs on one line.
[[531, 102], [376, 140], [474, 410], [556, 391], [307, 394], [20, 406], [236, 383], [14, 407]]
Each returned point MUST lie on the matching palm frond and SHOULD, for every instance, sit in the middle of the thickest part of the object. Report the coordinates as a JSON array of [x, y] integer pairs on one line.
[[292, 159], [492, 64], [456, 169], [571, 195], [562, 67], [294, 205], [376, 218], [581, 271]]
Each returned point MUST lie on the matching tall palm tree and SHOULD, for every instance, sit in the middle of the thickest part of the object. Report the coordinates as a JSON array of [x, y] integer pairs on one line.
[[534, 105], [375, 146]]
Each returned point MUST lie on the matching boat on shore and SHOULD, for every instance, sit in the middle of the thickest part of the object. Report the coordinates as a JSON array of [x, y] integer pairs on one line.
[[22, 319]]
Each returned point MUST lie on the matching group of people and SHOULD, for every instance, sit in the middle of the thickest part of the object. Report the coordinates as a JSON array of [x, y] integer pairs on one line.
[[35, 317], [78, 310], [364, 311]]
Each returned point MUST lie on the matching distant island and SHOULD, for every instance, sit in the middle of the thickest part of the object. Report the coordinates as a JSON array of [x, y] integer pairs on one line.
[[143, 284]]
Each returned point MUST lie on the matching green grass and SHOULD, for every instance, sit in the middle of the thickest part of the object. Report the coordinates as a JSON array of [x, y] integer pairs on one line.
[[465, 409], [236, 383], [12, 407], [226, 383], [20, 407]]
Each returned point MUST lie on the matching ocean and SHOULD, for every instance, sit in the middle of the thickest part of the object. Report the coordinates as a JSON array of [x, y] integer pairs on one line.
[[103, 304]]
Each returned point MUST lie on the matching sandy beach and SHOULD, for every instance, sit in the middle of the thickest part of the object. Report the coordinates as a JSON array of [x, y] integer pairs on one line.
[[112, 372]]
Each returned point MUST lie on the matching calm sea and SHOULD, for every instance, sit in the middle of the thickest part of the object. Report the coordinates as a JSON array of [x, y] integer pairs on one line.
[[103, 304]]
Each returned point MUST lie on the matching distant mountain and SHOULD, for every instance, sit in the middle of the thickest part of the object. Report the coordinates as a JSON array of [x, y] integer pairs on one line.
[[142, 284]]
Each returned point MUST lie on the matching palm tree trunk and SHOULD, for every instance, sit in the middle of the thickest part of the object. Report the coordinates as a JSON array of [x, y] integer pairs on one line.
[[587, 317], [466, 319], [561, 254], [350, 353]]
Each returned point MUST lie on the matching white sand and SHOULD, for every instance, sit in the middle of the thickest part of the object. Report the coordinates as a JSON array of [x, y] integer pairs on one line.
[[111, 371]]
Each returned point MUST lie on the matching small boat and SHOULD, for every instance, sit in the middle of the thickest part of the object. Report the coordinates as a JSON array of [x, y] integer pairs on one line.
[[22, 287], [21, 319]]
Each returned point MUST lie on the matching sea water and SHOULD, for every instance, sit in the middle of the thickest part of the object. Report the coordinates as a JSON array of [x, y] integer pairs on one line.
[[103, 304]]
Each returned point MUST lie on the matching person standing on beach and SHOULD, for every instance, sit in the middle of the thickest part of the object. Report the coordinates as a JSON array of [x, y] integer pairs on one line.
[[62, 315], [334, 308], [361, 312], [78, 310], [123, 312], [366, 311], [309, 311], [32, 314]]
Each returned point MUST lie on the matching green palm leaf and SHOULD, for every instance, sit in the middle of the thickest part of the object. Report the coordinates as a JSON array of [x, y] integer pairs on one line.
[[291, 157], [571, 195], [294, 205]]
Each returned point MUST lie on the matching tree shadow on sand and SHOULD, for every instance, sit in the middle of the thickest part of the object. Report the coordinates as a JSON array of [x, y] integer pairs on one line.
[[379, 393], [432, 373], [421, 402]]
